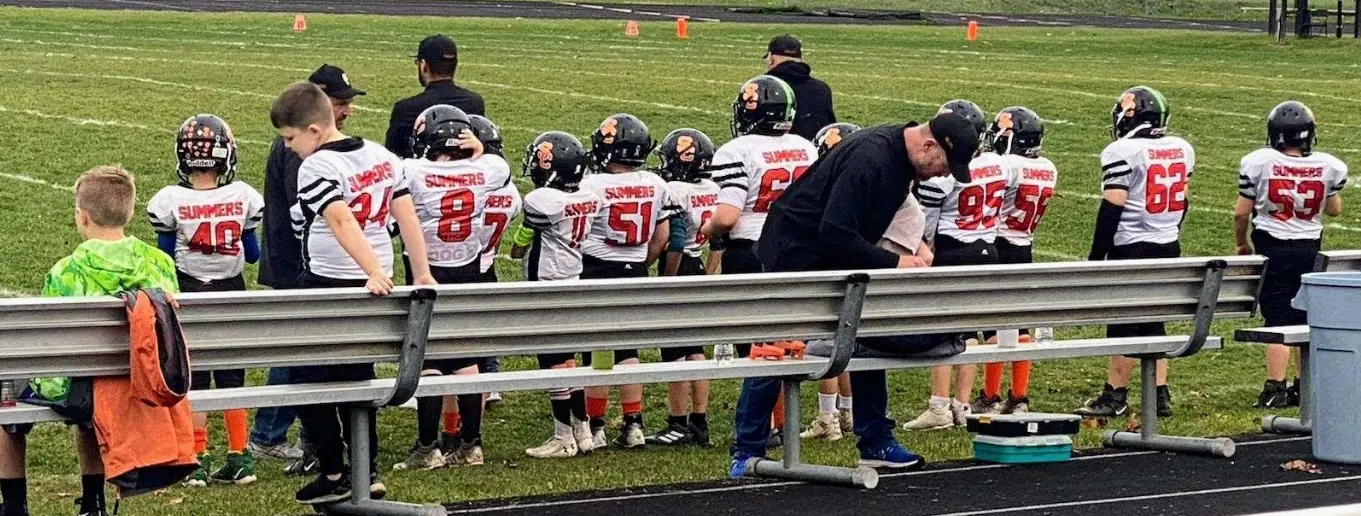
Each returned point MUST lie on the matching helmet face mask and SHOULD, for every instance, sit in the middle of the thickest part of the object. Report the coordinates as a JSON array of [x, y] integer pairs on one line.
[[555, 160], [621, 139], [764, 105], [1140, 112], [1016, 130], [205, 144], [437, 131], [685, 155], [832, 135], [1291, 125]]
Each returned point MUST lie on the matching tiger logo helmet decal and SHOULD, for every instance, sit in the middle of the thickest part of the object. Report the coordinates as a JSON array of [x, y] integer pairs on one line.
[[832, 138], [1004, 123], [750, 95], [1127, 104], [543, 155], [608, 130], [685, 148]]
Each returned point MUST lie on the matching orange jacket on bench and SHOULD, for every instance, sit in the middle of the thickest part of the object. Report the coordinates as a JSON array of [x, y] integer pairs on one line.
[[145, 426]]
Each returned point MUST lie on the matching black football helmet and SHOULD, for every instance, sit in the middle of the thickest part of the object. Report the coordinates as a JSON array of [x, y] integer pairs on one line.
[[489, 133], [437, 132], [829, 136], [556, 159], [623, 139], [1017, 130], [764, 105], [205, 143], [1291, 124], [970, 112], [685, 155], [1140, 112]]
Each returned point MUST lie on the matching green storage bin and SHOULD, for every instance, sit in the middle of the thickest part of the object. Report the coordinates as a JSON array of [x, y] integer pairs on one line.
[[1023, 450]]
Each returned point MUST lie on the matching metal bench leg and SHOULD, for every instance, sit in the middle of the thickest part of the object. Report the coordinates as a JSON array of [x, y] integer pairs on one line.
[[1148, 438], [359, 503], [793, 468], [1305, 424]]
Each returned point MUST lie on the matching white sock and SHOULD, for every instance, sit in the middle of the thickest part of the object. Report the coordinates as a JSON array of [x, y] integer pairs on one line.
[[843, 402], [958, 406], [940, 402], [562, 430], [826, 403]]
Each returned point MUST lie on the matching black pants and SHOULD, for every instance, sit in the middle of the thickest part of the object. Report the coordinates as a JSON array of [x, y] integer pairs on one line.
[[469, 273], [1008, 252], [740, 258], [328, 427], [689, 266], [1286, 261], [226, 378], [595, 268], [1136, 251], [953, 252]]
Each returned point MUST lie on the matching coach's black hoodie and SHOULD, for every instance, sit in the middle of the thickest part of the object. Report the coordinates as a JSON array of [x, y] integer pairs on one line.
[[812, 97]]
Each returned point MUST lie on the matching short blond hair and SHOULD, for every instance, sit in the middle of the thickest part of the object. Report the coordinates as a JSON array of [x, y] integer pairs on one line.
[[300, 105], [108, 194]]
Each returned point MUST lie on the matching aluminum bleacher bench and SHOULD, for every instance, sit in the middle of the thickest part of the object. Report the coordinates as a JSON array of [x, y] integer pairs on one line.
[[88, 336], [1298, 337]]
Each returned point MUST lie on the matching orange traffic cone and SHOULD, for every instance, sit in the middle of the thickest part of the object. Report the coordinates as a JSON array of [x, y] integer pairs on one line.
[[973, 30], [631, 29], [682, 28], [299, 23]]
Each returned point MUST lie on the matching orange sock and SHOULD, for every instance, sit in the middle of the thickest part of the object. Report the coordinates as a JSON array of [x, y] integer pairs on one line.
[[200, 440], [777, 415], [596, 407], [237, 435], [992, 380], [451, 422], [632, 407], [1020, 378]]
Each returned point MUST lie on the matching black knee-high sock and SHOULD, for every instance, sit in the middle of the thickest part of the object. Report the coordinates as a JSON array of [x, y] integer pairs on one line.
[[470, 410], [15, 494], [91, 493], [562, 411], [578, 405], [428, 414]]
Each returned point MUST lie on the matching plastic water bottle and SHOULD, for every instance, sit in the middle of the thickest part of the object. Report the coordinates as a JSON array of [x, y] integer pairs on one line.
[[724, 354], [1044, 336], [7, 394]]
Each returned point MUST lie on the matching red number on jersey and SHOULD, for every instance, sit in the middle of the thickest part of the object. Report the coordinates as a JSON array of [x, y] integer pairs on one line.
[[980, 207], [1165, 190], [223, 238], [773, 184], [637, 232], [580, 227], [498, 222], [1031, 202], [704, 216], [456, 215], [1281, 192], [361, 205]]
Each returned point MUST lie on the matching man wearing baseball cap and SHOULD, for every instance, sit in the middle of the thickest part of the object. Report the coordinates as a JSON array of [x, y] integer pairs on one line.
[[812, 97], [436, 61], [281, 256], [832, 218]]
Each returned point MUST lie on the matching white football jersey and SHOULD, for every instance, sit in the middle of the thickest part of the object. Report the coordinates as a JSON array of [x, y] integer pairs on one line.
[[366, 177], [968, 212], [698, 201], [1290, 192], [754, 170], [562, 222], [632, 205], [208, 225], [450, 198], [1032, 186], [502, 206], [1155, 172]]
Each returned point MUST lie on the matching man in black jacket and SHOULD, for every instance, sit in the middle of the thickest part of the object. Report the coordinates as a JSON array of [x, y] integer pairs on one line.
[[813, 98], [436, 62]]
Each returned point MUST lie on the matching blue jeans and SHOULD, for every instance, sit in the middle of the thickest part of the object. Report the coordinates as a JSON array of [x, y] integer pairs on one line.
[[272, 423], [757, 401]]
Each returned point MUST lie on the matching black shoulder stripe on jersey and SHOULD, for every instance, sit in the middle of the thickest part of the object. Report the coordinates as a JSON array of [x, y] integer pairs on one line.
[[730, 177], [1246, 196], [400, 192], [1244, 177], [1116, 187], [1114, 164], [932, 190], [1117, 175], [725, 166]]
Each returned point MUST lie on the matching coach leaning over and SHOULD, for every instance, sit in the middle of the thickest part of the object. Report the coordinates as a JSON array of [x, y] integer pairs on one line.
[[436, 62], [813, 109], [831, 219]]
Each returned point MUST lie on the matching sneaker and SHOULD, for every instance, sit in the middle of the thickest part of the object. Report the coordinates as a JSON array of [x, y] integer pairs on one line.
[[1112, 402], [826, 426], [739, 466], [776, 439], [97, 512], [448, 443], [322, 490], [847, 423], [1274, 395], [200, 476], [306, 466], [891, 456], [1016, 405], [961, 414], [239, 470], [1293, 393], [699, 435], [630, 437], [674, 435], [585, 439], [493, 398], [556, 447], [282, 451], [467, 454], [1164, 401], [598, 441], [986, 405], [377, 489], [934, 418], [423, 458]]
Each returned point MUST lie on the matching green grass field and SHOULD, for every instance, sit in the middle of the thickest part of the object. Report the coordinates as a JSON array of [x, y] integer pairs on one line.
[[78, 89], [1195, 9]]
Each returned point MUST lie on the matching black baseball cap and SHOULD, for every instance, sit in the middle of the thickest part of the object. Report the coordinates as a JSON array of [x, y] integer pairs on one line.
[[785, 45], [334, 82], [959, 139], [437, 48]]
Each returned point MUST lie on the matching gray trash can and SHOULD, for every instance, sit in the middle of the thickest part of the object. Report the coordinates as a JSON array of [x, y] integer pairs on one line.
[[1333, 300]]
